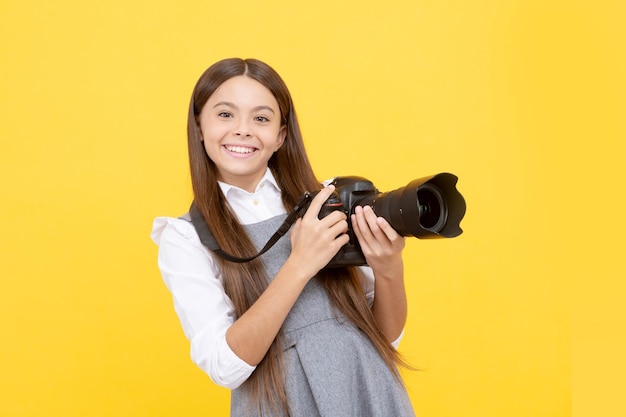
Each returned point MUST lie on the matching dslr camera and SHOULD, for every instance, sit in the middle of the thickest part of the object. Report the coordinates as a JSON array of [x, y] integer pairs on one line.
[[426, 208]]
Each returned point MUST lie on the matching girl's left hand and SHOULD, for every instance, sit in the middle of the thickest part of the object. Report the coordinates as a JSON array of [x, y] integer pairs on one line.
[[380, 243]]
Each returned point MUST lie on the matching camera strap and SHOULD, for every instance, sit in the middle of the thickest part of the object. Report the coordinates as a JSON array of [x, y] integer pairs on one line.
[[208, 240]]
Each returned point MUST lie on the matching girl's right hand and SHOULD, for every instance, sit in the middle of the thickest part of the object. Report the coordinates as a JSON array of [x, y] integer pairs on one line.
[[314, 242]]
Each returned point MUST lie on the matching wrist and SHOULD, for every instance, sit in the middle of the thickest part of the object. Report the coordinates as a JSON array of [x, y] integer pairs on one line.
[[389, 270], [295, 272]]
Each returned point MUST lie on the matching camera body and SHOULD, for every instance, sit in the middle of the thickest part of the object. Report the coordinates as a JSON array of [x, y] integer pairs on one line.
[[426, 208]]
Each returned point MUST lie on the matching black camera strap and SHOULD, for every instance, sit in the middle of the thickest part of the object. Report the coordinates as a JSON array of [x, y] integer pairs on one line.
[[208, 240]]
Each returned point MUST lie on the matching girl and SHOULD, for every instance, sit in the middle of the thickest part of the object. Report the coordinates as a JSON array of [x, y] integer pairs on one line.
[[289, 337]]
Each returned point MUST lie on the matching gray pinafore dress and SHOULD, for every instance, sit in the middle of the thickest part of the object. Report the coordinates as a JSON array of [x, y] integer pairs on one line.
[[332, 368]]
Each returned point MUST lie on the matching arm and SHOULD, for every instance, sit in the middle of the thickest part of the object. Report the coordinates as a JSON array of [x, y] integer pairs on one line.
[[314, 242], [203, 308], [225, 348], [382, 247]]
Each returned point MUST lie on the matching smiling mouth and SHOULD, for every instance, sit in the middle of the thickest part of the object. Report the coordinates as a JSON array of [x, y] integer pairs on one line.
[[243, 150]]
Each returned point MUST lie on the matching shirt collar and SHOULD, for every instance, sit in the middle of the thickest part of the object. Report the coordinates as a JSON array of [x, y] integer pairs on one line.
[[268, 178]]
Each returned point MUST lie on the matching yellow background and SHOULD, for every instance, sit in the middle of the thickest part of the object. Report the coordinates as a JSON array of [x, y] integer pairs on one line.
[[523, 100]]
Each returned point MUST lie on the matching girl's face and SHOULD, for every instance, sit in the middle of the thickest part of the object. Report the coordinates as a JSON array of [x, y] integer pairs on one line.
[[241, 130]]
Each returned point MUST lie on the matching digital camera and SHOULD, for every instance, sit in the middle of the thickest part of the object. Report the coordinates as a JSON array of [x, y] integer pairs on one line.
[[426, 208]]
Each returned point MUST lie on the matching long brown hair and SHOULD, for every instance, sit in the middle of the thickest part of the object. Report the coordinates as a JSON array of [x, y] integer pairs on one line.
[[244, 283]]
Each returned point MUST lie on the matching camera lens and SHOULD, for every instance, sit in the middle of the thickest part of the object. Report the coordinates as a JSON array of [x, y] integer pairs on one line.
[[432, 208], [436, 213]]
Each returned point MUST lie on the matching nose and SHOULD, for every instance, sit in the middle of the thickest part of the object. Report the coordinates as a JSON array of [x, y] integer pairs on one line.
[[243, 129]]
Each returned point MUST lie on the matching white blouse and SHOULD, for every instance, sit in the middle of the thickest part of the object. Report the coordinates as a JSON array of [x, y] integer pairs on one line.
[[192, 275]]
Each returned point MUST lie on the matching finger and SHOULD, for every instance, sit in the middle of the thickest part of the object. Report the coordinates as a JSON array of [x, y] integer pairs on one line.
[[319, 200], [341, 241], [366, 221], [389, 231], [339, 228], [359, 223], [357, 230], [334, 217], [361, 230], [392, 236], [372, 220]]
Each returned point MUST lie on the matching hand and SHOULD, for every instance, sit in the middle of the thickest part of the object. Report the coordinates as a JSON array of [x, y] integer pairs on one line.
[[380, 243], [314, 242]]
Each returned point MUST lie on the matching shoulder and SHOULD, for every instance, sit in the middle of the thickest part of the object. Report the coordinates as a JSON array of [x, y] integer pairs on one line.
[[165, 227], [181, 253]]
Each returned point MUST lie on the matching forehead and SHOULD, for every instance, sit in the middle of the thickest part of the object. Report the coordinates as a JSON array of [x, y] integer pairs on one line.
[[243, 90]]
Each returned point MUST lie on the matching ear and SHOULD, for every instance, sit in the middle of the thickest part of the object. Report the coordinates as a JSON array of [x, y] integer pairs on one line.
[[280, 139]]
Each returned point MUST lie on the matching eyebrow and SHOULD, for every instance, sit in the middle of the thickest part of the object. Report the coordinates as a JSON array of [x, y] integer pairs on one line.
[[229, 104]]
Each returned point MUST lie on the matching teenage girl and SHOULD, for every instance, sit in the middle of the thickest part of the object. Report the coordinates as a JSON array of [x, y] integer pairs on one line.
[[288, 336]]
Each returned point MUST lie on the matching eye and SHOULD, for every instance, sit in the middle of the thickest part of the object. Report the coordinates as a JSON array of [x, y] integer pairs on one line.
[[224, 114], [261, 119]]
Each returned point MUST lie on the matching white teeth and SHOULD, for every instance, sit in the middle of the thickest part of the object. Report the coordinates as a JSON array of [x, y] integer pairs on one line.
[[239, 149]]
